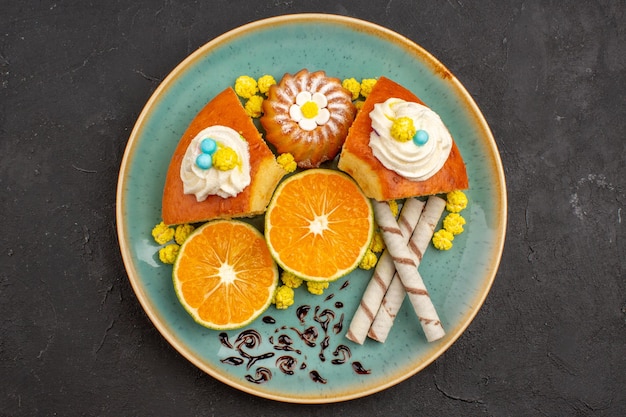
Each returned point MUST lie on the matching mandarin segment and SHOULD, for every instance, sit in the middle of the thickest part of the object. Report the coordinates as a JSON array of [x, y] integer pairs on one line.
[[319, 225], [224, 275], [217, 309]]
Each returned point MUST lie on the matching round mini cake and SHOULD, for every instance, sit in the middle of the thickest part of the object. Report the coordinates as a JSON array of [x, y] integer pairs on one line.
[[308, 115]]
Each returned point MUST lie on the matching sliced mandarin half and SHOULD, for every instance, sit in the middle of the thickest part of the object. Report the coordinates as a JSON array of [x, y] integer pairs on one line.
[[319, 224], [224, 275]]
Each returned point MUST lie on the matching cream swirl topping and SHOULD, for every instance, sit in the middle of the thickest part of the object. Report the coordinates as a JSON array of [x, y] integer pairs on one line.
[[416, 162], [203, 182]]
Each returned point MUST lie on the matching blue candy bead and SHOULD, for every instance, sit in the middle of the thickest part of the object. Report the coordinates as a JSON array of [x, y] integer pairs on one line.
[[204, 161], [420, 137], [208, 146]]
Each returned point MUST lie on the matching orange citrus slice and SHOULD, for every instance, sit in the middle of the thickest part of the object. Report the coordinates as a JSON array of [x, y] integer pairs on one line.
[[224, 275], [319, 224]]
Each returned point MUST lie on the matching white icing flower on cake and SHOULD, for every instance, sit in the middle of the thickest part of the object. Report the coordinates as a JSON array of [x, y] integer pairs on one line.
[[310, 110]]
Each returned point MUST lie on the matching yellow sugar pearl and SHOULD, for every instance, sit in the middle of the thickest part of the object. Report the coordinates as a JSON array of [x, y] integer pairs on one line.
[[162, 233], [246, 86], [283, 297], [378, 243], [225, 159], [366, 86], [454, 223], [353, 86], [403, 129], [286, 161], [316, 288], [442, 239], [290, 279], [265, 82], [369, 260], [182, 232], [168, 254], [309, 109], [393, 206], [456, 201], [254, 106]]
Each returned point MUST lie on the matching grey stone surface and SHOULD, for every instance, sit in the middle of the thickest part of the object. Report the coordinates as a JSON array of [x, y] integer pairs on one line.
[[550, 78]]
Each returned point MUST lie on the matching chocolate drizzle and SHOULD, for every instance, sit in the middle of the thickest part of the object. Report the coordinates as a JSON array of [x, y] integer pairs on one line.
[[248, 338], [316, 377], [343, 353], [326, 323], [286, 364], [261, 376], [301, 312], [232, 360], [285, 343], [308, 336], [224, 340], [338, 327], [324, 345], [358, 368], [324, 318]]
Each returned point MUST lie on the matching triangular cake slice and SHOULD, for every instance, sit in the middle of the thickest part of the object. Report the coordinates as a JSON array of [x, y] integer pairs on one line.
[[225, 110], [376, 180]]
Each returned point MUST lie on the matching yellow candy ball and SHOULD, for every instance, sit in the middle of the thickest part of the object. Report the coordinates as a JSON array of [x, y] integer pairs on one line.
[[403, 129], [309, 109], [225, 159]]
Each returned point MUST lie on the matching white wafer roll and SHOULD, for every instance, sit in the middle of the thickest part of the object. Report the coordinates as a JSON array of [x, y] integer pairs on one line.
[[383, 273], [425, 228], [406, 266], [388, 310], [418, 244]]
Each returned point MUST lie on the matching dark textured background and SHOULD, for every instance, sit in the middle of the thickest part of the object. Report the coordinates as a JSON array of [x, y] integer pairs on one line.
[[550, 78]]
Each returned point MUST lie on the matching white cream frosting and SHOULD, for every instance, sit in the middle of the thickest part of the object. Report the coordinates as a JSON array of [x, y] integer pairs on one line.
[[212, 181], [414, 162]]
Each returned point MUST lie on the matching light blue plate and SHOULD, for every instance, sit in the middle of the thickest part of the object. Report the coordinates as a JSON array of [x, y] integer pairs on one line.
[[458, 280]]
